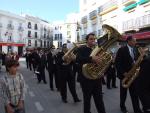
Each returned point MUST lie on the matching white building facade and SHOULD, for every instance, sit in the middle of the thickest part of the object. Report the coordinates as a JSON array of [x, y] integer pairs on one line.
[[38, 33], [12, 32], [66, 31], [21, 32], [124, 15]]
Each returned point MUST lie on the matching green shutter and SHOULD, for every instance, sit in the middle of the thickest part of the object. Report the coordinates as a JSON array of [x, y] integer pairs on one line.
[[129, 7], [143, 2]]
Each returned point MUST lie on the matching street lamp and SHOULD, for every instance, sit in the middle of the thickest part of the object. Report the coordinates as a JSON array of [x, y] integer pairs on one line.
[[78, 32]]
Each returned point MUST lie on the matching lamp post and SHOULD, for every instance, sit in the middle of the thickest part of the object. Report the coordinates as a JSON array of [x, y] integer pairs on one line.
[[78, 32]]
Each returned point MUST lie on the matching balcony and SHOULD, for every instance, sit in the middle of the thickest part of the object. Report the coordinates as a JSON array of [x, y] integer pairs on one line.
[[141, 2], [140, 22], [20, 28], [93, 15], [10, 27], [128, 2], [108, 7], [84, 20], [129, 7]]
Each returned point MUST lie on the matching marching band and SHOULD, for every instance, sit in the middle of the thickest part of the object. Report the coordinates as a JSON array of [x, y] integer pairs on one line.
[[65, 73]]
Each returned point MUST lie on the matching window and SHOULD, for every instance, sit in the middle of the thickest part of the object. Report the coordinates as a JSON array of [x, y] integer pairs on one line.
[[68, 26], [68, 32], [60, 27], [20, 28], [35, 43], [35, 27], [55, 36], [29, 25], [60, 44], [35, 34], [60, 36], [41, 43], [29, 42], [99, 32], [44, 35], [47, 43], [29, 33], [44, 43]]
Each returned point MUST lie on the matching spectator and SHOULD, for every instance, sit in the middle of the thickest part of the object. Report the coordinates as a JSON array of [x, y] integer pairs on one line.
[[13, 88]]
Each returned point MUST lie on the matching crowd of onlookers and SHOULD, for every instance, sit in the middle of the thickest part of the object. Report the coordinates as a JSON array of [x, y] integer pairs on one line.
[[4, 57]]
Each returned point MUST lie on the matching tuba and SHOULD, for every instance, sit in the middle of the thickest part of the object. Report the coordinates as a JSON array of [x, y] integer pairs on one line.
[[134, 71], [93, 70], [69, 55]]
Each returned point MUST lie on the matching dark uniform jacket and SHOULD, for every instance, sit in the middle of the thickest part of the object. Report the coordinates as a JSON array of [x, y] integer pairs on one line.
[[124, 61]]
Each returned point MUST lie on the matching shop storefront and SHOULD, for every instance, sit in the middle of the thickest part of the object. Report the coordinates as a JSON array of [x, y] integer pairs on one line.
[[12, 47]]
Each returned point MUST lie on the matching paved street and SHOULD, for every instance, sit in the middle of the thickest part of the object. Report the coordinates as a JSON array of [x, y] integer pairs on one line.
[[39, 98]]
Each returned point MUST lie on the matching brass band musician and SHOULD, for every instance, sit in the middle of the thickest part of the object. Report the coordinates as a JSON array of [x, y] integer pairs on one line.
[[89, 87], [125, 59], [66, 77]]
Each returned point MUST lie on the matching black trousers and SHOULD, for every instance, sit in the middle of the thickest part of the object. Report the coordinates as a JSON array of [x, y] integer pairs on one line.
[[92, 88], [27, 63], [41, 75], [53, 74], [75, 69], [34, 65], [111, 80], [67, 78], [145, 100], [133, 95], [30, 65]]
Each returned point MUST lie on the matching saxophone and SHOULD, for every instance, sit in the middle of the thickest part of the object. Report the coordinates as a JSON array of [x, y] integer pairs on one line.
[[134, 71], [93, 70], [69, 55]]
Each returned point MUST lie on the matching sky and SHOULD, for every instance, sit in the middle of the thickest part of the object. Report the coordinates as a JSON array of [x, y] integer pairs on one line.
[[50, 10]]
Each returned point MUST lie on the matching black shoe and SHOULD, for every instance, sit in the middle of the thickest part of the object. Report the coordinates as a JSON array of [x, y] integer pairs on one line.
[[139, 111], [65, 101], [114, 87], [45, 82], [38, 82], [108, 88], [77, 100]]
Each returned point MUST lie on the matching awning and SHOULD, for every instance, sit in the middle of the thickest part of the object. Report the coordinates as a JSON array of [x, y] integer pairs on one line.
[[11, 44], [129, 7], [143, 2], [138, 36]]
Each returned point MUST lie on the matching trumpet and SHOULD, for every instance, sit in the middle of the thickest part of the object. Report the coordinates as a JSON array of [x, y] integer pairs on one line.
[[69, 55]]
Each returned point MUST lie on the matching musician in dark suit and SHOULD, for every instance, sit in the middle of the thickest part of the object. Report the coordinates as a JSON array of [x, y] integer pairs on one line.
[[41, 60], [27, 59], [111, 76], [66, 77], [125, 59], [143, 84], [89, 87], [51, 61], [34, 62]]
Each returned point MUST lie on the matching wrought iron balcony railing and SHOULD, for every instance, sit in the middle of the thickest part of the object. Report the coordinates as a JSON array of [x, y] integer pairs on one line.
[[107, 5], [20, 28], [84, 20], [93, 14]]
